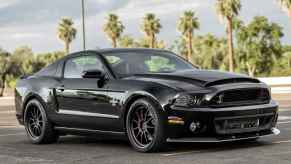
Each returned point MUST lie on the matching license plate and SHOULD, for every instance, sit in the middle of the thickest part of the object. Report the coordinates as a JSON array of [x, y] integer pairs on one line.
[[243, 124]]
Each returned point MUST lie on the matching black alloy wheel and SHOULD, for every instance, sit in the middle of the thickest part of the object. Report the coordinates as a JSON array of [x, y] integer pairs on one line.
[[145, 126], [34, 121], [38, 128]]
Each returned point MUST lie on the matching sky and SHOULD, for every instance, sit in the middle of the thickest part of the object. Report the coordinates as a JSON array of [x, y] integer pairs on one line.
[[34, 22]]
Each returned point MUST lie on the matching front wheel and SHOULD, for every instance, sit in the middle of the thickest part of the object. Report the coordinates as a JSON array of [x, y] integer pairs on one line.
[[145, 126], [38, 128]]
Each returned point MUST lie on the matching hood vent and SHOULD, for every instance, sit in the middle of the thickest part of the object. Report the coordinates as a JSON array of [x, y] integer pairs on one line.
[[232, 80]]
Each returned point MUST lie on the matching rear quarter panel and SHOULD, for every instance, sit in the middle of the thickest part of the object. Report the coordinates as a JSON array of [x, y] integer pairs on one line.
[[34, 88]]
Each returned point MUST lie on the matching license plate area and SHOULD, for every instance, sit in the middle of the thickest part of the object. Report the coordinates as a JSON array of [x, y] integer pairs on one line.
[[243, 124]]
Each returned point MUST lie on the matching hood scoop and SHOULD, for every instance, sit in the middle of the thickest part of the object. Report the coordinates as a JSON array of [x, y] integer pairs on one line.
[[231, 80]]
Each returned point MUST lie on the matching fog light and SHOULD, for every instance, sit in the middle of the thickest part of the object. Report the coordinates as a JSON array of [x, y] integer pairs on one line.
[[195, 126]]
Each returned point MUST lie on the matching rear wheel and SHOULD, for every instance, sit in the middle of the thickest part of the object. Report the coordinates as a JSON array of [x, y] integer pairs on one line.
[[145, 125], [38, 128]]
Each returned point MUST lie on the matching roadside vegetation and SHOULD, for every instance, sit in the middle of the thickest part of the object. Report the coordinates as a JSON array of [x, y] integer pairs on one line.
[[252, 48]]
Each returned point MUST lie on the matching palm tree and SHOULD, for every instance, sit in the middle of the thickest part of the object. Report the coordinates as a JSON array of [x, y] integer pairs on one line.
[[67, 32], [113, 28], [126, 41], [151, 26], [228, 10], [186, 25], [286, 6]]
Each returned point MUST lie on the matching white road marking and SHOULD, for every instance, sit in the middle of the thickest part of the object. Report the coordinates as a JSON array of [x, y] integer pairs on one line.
[[281, 90], [285, 109], [286, 122], [7, 112], [14, 134], [11, 126], [282, 118], [6, 98], [278, 142]]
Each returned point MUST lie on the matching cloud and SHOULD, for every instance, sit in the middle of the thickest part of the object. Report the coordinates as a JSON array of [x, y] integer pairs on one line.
[[26, 35], [34, 22], [15, 12], [137, 9], [5, 3]]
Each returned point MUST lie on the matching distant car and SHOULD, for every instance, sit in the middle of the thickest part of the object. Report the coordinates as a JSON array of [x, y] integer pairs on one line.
[[151, 96]]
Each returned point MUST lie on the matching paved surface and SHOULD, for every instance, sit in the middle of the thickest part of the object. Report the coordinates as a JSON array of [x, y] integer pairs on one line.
[[15, 148]]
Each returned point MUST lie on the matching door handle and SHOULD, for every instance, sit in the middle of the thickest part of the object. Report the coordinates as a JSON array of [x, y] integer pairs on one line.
[[60, 88]]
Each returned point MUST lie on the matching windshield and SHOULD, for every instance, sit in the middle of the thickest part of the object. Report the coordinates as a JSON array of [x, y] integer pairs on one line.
[[131, 63]]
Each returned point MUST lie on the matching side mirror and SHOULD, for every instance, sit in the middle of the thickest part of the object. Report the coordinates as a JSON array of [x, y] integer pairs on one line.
[[93, 74]]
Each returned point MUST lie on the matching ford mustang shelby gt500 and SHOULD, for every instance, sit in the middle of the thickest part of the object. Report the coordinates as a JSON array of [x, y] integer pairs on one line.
[[151, 96]]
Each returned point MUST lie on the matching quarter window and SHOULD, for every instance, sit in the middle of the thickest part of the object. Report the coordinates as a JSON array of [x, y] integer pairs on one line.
[[75, 67]]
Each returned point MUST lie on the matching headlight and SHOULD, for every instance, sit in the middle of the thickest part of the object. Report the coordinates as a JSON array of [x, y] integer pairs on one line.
[[187, 100]]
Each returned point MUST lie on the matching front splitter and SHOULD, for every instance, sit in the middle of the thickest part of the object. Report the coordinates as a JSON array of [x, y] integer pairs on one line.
[[273, 132]]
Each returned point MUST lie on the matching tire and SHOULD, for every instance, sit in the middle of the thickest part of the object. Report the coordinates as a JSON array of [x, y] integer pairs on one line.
[[151, 123], [41, 131]]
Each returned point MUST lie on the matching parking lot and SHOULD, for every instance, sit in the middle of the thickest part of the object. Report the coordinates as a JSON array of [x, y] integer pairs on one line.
[[15, 148]]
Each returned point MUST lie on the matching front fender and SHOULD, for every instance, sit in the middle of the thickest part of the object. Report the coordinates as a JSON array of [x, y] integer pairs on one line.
[[160, 96]]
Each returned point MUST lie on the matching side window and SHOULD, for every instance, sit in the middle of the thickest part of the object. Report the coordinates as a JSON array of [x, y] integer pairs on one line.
[[75, 67], [49, 70]]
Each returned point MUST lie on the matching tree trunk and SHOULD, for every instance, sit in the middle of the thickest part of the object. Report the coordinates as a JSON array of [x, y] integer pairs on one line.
[[230, 45], [190, 48], [67, 47], [2, 90], [114, 42], [152, 41], [289, 15], [3, 79], [251, 70]]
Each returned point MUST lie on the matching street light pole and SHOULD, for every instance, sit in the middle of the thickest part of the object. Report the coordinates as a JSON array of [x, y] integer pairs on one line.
[[83, 24]]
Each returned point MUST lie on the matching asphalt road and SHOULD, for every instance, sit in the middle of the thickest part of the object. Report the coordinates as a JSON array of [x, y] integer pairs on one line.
[[15, 147]]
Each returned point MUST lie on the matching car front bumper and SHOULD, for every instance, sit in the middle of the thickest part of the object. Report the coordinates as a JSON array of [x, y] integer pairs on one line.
[[223, 124], [272, 132]]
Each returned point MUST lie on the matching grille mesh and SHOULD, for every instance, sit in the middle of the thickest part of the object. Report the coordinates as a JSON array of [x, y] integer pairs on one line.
[[250, 96]]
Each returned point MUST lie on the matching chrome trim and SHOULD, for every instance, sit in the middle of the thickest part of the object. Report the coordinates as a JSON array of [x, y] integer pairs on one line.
[[275, 132], [87, 130], [80, 113]]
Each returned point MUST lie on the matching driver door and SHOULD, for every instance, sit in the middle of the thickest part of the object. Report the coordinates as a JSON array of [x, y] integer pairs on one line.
[[82, 103]]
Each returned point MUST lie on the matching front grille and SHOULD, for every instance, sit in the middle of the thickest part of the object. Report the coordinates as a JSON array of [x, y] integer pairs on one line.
[[240, 97], [244, 124]]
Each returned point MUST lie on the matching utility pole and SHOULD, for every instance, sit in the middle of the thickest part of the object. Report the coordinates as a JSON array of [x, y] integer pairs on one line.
[[83, 24]]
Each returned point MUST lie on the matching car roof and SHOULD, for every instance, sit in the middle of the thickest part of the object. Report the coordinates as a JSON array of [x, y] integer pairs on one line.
[[108, 50], [114, 50]]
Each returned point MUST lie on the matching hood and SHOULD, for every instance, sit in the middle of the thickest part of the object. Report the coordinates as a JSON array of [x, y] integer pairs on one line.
[[199, 78]]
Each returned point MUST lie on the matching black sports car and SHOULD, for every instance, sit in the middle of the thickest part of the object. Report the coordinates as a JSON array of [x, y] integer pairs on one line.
[[151, 96]]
